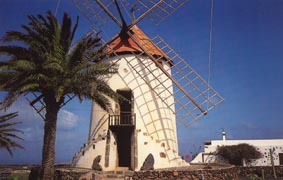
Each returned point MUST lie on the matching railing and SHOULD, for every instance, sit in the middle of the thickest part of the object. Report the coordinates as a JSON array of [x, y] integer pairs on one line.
[[126, 119]]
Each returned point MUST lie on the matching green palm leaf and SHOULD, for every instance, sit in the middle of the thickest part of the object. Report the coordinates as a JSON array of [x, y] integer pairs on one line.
[[7, 134]]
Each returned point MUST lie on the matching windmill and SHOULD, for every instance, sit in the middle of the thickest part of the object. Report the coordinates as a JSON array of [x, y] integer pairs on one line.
[[158, 84]]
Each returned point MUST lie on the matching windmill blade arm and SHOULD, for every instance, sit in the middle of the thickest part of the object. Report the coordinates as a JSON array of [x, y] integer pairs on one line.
[[146, 13], [157, 10], [108, 12]]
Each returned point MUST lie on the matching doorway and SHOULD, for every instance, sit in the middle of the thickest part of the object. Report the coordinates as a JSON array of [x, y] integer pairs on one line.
[[124, 129], [124, 146]]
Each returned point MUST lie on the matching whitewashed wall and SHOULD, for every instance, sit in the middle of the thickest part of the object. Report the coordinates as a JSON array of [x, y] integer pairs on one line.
[[263, 146]]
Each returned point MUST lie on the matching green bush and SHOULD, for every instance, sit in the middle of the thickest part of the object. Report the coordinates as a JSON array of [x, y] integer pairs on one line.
[[235, 154]]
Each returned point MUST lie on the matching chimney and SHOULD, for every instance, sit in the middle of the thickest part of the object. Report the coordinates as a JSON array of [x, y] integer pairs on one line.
[[223, 135]]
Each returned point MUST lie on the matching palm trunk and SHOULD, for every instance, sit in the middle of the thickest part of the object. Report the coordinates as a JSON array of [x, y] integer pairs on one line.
[[48, 151]]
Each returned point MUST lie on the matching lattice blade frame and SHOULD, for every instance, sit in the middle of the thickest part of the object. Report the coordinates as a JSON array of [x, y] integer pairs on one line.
[[133, 10], [193, 96], [192, 82], [36, 102], [93, 12], [154, 10]]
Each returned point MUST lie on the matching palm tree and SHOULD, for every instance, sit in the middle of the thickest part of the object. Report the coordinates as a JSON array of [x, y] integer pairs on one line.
[[7, 133], [46, 63]]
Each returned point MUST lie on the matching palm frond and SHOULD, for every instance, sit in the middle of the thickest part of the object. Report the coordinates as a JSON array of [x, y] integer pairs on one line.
[[9, 124], [17, 52], [102, 101], [11, 135], [9, 99], [65, 34], [7, 134], [7, 117]]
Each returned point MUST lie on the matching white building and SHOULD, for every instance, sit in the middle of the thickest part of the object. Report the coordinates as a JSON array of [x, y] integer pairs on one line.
[[138, 128], [262, 145]]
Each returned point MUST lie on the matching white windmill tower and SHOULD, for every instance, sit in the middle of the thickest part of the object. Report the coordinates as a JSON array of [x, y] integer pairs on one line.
[[158, 84]]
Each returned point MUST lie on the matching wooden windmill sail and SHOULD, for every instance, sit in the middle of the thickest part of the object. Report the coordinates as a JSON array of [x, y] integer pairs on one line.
[[160, 87]]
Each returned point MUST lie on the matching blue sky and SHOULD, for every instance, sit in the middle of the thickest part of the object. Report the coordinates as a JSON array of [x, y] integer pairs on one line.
[[246, 69]]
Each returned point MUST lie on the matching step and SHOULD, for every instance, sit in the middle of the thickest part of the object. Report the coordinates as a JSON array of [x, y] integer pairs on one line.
[[122, 169], [119, 173]]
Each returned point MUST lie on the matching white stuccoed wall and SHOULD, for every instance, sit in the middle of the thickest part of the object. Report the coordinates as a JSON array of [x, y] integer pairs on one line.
[[155, 124], [263, 145]]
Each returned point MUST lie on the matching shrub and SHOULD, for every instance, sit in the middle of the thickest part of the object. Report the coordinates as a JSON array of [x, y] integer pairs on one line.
[[236, 154]]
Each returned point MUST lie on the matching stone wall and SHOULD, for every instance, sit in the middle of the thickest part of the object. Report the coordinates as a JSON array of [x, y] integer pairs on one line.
[[83, 174], [232, 173], [212, 174], [206, 173], [261, 172]]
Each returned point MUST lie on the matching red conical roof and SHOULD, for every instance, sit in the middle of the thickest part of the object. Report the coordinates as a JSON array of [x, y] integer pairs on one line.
[[122, 44]]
